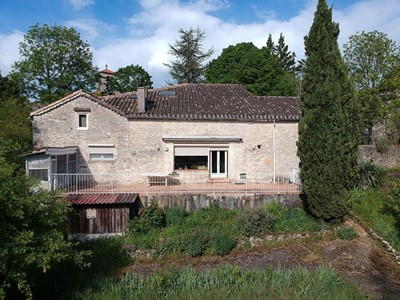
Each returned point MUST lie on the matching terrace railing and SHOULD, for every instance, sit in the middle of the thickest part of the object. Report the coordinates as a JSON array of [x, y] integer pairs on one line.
[[177, 183]]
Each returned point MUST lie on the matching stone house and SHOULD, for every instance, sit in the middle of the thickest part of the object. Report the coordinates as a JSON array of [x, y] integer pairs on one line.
[[210, 131]]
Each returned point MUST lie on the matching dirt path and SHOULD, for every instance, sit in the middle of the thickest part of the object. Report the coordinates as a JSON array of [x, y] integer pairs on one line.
[[361, 261]]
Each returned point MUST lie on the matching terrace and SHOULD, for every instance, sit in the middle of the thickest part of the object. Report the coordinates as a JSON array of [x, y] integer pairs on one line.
[[177, 183]]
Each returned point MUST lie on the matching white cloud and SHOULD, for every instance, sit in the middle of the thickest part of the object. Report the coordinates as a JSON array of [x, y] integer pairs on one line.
[[150, 30], [90, 28], [369, 15], [9, 50], [157, 25], [79, 4]]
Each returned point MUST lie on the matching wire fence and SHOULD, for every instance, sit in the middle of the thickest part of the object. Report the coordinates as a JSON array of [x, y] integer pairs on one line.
[[178, 183]]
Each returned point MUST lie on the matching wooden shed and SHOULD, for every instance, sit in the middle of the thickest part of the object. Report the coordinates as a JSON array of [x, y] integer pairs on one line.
[[101, 213]]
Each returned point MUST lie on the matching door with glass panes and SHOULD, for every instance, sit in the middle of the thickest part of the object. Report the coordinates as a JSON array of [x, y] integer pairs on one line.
[[219, 163]]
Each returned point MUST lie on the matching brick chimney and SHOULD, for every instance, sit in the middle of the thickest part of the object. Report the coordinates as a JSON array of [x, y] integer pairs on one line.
[[141, 99]]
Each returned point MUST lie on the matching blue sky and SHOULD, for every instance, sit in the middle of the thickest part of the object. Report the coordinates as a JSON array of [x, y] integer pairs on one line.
[[124, 32]]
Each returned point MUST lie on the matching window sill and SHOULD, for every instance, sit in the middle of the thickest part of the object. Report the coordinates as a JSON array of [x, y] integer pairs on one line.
[[190, 170]]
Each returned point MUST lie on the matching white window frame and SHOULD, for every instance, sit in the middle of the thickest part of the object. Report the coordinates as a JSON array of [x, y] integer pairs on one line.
[[102, 152], [200, 150], [79, 119], [39, 169]]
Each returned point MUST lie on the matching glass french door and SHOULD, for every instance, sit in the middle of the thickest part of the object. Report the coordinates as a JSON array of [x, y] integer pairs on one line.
[[218, 163]]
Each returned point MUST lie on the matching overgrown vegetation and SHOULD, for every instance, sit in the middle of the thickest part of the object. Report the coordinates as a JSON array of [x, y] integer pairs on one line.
[[347, 233], [66, 279], [370, 176], [152, 217], [213, 230], [33, 232], [377, 209], [226, 282]]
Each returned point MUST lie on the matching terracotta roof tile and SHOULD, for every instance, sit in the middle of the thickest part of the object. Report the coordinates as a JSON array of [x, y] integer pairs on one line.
[[107, 71], [195, 102], [207, 102]]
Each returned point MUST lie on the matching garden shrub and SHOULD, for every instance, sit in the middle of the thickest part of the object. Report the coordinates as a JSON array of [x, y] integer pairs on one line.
[[175, 215], [370, 176], [223, 244], [276, 209], [196, 242], [254, 221], [152, 217], [144, 240], [382, 145], [347, 233], [295, 219]]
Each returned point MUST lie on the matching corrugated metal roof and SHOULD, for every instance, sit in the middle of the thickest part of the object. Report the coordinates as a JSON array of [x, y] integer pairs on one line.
[[90, 199]]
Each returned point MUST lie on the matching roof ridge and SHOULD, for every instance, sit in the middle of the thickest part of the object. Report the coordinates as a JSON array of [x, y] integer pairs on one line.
[[194, 84], [58, 102], [116, 95]]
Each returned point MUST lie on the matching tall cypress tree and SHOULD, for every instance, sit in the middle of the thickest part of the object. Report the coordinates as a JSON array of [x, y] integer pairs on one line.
[[328, 126]]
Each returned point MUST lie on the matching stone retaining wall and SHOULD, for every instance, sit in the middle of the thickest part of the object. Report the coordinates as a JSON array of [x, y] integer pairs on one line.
[[389, 159], [193, 202]]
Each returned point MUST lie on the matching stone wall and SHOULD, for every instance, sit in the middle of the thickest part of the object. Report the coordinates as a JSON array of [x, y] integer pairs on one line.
[[139, 145], [253, 155], [389, 159], [59, 128], [193, 202]]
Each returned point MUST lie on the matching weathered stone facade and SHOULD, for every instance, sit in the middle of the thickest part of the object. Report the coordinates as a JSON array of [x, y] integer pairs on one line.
[[139, 147], [387, 160]]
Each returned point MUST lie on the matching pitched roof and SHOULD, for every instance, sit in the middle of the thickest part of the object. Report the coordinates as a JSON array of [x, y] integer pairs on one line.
[[95, 199], [72, 97], [208, 102], [107, 71], [196, 102]]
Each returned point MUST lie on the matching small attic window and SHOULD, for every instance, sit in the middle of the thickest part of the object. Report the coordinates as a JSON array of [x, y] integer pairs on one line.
[[83, 121], [168, 93]]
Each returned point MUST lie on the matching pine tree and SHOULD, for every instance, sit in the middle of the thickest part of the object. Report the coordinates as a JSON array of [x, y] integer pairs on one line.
[[286, 59], [328, 127], [270, 44], [190, 56]]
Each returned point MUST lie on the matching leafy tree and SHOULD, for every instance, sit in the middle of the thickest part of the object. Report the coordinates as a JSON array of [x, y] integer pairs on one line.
[[255, 68], [189, 56], [389, 91], [328, 127], [54, 62], [371, 109], [9, 89], [370, 56], [33, 231], [286, 58], [15, 127], [128, 79]]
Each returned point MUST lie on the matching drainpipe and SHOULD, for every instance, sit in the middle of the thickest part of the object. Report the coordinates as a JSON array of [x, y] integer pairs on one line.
[[273, 152]]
